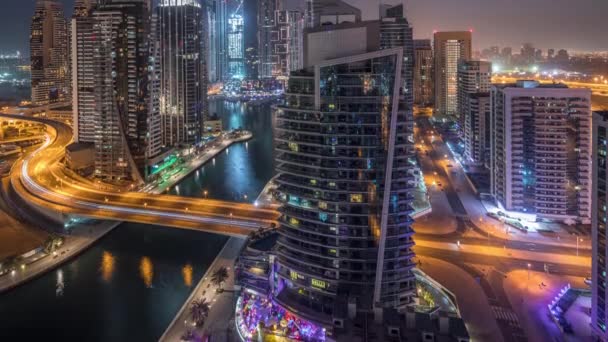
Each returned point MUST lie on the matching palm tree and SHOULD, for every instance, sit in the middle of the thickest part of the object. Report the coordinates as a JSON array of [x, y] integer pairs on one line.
[[219, 276], [199, 310]]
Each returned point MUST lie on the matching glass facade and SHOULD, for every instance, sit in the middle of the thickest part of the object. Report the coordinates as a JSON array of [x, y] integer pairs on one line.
[[334, 139]]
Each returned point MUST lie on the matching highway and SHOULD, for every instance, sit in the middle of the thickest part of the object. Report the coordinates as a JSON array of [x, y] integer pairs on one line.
[[42, 179]]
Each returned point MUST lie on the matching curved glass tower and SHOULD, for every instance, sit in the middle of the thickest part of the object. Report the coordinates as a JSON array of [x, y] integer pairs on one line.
[[342, 152]]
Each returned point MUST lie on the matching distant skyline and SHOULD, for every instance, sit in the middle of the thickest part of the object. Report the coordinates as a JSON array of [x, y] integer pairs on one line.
[[575, 25]]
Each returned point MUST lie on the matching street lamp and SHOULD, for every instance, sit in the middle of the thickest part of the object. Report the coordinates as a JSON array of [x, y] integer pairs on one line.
[[205, 193], [577, 241]]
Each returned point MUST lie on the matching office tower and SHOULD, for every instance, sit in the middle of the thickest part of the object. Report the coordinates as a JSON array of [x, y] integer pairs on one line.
[[599, 217], [49, 53], [507, 55], [236, 46], [473, 77], [450, 49], [267, 34], [477, 108], [562, 56], [116, 77], [218, 43], [540, 150], [538, 55], [82, 8], [83, 68], [395, 31], [252, 62], [550, 54], [288, 49], [342, 156], [332, 12], [183, 79], [423, 72], [526, 53]]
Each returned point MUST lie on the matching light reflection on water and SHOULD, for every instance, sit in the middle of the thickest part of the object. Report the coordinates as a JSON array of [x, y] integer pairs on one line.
[[240, 173], [187, 275], [146, 271], [107, 266]]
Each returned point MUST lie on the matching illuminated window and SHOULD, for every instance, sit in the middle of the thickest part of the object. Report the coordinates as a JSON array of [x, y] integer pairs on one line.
[[293, 147], [294, 221], [332, 184], [356, 198], [318, 283], [313, 181], [322, 205], [333, 251]]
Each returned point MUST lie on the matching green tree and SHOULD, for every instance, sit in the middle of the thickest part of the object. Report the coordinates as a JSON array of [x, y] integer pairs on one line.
[[219, 276], [199, 310]]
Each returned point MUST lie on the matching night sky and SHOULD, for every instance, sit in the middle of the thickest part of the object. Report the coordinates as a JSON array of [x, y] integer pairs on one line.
[[572, 24]]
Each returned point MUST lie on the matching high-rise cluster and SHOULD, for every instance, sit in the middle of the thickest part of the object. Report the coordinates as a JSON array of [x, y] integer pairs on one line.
[[139, 82], [49, 53]]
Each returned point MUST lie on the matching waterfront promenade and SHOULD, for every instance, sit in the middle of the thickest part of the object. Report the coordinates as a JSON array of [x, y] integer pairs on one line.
[[196, 162], [86, 235], [221, 304]]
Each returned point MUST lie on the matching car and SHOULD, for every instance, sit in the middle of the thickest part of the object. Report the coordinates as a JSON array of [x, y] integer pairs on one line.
[[450, 165], [588, 281], [438, 183]]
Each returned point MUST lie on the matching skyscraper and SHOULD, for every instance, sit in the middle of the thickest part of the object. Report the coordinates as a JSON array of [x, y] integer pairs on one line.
[[476, 127], [342, 147], [183, 80], [473, 77], [267, 35], [423, 72], [599, 217], [236, 46], [218, 45], [116, 79], [395, 31], [450, 49], [82, 57], [49, 53], [540, 151]]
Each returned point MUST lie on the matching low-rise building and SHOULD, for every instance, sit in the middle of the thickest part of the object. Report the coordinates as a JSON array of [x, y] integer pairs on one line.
[[80, 157]]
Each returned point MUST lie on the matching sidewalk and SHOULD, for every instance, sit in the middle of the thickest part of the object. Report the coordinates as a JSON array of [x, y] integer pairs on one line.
[[194, 164], [529, 301], [83, 238], [470, 297], [222, 305]]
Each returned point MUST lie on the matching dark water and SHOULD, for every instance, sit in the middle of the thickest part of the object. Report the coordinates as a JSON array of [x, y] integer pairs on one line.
[[127, 287], [240, 172], [130, 285]]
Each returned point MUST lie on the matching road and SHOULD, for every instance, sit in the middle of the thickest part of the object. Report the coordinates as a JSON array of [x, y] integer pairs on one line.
[[487, 254], [42, 179]]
